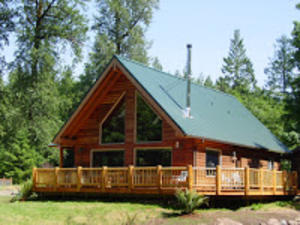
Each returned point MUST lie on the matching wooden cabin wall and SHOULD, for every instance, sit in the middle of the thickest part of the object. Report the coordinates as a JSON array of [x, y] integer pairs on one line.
[[245, 156], [183, 149]]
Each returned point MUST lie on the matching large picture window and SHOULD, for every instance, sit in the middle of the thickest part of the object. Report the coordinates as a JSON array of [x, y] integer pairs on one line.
[[149, 125], [111, 158], [113, 128], [153, 157], [212, 158]]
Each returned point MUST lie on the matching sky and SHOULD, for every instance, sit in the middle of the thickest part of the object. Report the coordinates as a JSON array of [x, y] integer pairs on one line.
[[209, 26]]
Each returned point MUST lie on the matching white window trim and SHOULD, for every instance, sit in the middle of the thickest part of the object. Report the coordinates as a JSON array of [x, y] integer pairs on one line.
[[135, 149], [107, 115], [135, 122], [104, 150]]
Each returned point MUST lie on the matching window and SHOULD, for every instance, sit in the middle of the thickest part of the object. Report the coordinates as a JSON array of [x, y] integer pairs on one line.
[[212, 158], [270, 164], [153, 157], [149, 125], [113, 128], [111, 158], [68, 158]]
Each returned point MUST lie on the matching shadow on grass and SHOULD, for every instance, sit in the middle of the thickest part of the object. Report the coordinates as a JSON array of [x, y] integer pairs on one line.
[[170, 203]]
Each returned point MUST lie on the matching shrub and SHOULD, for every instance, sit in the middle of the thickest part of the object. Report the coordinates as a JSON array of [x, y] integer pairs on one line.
[[190, 200], [25, 192]]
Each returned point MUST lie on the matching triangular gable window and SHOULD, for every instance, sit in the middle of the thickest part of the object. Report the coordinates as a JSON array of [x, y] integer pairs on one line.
[[149, 124], [113, 128]]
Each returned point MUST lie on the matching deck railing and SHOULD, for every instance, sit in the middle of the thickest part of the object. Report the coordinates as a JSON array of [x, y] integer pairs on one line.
[[210, 181]]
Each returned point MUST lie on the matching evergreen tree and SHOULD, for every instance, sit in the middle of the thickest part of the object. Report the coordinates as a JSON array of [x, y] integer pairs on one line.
[[280, 69], [156, 64], [237, 67], [45, 28], [208, 82], [120, 27], [7, 25]]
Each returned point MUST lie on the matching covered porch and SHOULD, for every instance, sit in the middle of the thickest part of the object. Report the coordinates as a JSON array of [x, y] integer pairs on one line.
[[166, 180]]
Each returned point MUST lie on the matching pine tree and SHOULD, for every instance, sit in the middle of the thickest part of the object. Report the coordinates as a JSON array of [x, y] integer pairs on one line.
[[237, 67], [208, 82], [156, 64], [280, 69], [120, 27]]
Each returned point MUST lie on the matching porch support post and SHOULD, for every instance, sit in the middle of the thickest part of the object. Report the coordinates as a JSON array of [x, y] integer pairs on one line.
[[261, 181], [159, 177], [130, 177], [274, 181], [285, 181], [33, 177], [295, 177], [190, 177], [61, 156], [79, 175], [218, 180], [56, 178], [247, 180], [104, 174]]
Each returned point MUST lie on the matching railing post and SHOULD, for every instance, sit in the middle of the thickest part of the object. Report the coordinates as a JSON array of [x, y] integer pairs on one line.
[[295, 177], [285, 181], [159, 177], [56, 177], [130, 177], [218, 180], [190, 177], [261, 181], [104, 176], [274, 181], [33, 177], [79, 176], [247, 180]]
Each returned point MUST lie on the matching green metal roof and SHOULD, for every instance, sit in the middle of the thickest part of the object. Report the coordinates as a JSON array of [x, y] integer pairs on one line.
[[215, 115]]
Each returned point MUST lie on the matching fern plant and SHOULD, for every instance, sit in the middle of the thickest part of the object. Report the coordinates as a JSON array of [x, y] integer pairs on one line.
[[25, 192], [190, 200]]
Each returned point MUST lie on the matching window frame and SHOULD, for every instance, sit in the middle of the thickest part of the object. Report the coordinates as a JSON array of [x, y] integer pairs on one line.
[[136, 95], [168, 148], [107, 116], [105, 150]]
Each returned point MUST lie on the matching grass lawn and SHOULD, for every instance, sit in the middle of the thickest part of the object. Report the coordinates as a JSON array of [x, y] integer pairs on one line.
[[96, 213]]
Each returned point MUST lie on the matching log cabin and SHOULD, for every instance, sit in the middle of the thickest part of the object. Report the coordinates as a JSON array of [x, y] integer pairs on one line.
[[134, 130]]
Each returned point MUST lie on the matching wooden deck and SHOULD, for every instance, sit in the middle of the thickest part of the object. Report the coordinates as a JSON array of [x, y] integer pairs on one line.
[[166, 180]]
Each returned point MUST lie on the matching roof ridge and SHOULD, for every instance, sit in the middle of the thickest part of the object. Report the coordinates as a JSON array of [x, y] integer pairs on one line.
[[171, 75]]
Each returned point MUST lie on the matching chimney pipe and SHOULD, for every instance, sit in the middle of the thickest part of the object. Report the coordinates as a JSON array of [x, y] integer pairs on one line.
[[188, 77]]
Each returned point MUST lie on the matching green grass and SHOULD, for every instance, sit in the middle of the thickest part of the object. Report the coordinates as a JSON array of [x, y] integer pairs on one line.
[[110, 213]]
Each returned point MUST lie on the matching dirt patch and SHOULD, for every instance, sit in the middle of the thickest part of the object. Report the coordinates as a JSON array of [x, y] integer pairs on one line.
[[245, 216]]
